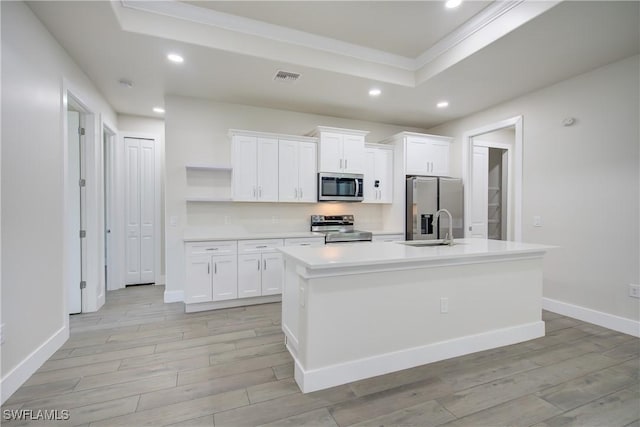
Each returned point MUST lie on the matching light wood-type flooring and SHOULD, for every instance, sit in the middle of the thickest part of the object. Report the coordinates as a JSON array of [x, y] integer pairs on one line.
[[139, 361]]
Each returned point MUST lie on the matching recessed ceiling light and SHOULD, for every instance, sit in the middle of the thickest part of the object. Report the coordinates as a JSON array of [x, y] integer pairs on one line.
[[375, 92], [442, 104], [450, 4], [174, 57], [158, 110]]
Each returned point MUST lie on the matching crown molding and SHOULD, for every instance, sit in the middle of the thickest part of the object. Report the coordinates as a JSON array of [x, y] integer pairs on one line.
[[468, 38]]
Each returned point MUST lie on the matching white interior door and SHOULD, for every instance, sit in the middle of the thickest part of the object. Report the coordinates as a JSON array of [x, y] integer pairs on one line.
[[480, 192], [140, 213], [74, 293]]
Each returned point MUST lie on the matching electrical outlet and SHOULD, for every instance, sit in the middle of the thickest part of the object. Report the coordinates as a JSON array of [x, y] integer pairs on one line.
[[444, 305], [537, 221], [274, 219], [634, 291], [227, 219]]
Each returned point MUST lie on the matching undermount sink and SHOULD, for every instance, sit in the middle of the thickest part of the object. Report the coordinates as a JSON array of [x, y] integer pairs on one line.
[[420, 243]]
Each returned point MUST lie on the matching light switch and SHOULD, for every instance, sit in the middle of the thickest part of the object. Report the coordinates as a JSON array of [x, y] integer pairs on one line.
[[173, 221], [537, 221]]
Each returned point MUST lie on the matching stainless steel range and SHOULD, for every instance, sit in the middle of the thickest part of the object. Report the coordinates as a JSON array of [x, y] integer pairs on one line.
[[338, 229]]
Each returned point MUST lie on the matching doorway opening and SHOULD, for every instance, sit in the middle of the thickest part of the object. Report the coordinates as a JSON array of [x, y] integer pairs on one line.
[[492, 170], [108, 179]]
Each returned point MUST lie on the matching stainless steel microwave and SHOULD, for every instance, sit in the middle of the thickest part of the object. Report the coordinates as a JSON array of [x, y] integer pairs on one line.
[[340, 187]]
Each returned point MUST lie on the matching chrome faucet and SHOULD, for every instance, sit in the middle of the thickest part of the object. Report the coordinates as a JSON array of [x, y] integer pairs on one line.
[[448, 239]]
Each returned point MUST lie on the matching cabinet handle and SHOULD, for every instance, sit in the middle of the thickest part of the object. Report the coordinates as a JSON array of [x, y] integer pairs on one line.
[[301, 193], [261, 246], [208, 269], [211, 249], [295, 193], [215, 268], [258, 264], [345, 163], [260, 191], [340, 163], [265, 264], [305, 244], [254, 192]]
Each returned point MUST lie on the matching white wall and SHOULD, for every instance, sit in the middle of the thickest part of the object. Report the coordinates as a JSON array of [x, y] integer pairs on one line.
[[33, 292], [196, 131], [136, 125], [583, 181]]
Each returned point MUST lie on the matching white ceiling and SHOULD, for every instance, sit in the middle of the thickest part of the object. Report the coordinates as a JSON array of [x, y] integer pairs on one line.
[[481, 57]]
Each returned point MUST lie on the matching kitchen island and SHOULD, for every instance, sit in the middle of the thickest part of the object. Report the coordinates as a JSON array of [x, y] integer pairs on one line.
[[359, 310]]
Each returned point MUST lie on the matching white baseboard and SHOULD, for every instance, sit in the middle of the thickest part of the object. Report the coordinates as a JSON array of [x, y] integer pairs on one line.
[[354, 370], [21, 373], [161, 280], [229, 303], [173, 296], [606, 320]]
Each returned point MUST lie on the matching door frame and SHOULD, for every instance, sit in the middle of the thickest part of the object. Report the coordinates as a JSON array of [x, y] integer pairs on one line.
[[514, 166], [509, 152], [109, 142], [120, 206]]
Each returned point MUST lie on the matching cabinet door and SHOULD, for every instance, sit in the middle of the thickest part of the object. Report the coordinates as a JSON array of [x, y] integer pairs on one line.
[[198, 286], [267, 164], [384, 175], [244, 162], [330, 151], [417, 156], [225, 277], [370, 191], [307, 172], [249, 275], [439, 158], [272, 273], [353, 153], [288, 188]]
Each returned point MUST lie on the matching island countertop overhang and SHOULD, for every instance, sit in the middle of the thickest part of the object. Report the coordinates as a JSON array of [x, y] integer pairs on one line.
[[337, 259]]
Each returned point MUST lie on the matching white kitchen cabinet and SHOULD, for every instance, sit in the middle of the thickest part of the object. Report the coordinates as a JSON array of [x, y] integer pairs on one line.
[[211, 272], [427, 155], [259, 268], [340, 150], [297, 171], [388, 237], [378, 174], [255, 168], [304, 241]]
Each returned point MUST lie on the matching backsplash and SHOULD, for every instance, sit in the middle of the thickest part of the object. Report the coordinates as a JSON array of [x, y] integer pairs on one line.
[[261, 217]]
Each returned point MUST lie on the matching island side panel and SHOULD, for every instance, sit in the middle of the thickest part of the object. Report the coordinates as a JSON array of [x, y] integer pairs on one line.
[[388, 320]]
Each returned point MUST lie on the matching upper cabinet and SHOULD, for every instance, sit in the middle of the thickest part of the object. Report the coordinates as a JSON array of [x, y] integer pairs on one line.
[[297, 171], [340, 150], [378, 174], [423, 154], [255, 168]]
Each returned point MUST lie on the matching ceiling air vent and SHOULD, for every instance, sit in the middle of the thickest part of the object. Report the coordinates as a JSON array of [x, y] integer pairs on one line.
[[286, 76]]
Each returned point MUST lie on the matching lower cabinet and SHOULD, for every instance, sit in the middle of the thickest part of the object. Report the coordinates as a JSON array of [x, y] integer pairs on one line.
[[259, 268], [259, 274], [227, 270], [212, 272]]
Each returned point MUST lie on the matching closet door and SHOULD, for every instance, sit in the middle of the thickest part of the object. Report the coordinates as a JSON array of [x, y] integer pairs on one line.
[[140, 212]]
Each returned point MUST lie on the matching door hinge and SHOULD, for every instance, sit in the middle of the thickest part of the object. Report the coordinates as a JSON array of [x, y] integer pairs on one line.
[[80, 131], [82, 182], [83, 234], [83, 284]]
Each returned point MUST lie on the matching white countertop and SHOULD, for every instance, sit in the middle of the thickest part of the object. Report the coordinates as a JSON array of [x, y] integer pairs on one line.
[[340, 256], [231, 233]]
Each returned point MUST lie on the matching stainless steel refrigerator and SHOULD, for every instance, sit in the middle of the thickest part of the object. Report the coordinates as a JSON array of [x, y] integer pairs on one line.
[[425, 196]]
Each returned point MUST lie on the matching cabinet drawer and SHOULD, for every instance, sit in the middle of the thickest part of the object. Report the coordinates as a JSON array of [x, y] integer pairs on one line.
[[212, 248], [253, 246], [304, 241], [388, 238]]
